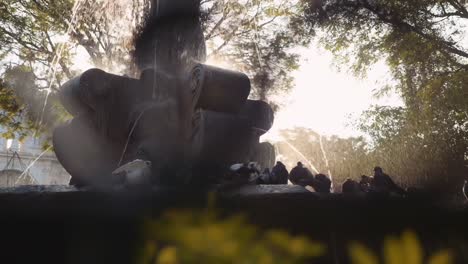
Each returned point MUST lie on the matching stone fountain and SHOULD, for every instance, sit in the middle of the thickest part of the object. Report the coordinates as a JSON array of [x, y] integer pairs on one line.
[[189, 119]]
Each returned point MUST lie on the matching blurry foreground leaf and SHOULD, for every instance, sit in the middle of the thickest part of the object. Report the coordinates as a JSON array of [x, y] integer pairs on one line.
[[442, 257], [393, 252], [168, 256], [411, 247], [191, 236], [361, 255], [404, 250]]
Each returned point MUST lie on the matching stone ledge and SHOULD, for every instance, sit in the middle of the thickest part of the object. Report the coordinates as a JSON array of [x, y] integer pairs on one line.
[[65, 225]]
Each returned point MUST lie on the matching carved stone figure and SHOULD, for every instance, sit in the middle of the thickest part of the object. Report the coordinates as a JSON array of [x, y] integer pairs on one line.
[[181, 115]]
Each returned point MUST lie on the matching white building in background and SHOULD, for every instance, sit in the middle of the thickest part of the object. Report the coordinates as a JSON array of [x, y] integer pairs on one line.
[[26, 163]]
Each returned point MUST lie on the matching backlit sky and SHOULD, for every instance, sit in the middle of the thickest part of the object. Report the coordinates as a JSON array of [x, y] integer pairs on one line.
[[327, 100]]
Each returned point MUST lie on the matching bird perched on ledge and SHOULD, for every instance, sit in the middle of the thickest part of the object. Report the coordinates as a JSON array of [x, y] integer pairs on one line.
[[137, 172]]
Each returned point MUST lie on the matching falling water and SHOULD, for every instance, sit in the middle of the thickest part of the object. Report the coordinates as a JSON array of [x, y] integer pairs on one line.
[[257, 50], [111, 6], [120, 30], [326, 161], [155, 64], [154, 96], [295, 150], [56, 60], [32, 164], [130, 136], [52, 73], [302, 156], [155, 57]]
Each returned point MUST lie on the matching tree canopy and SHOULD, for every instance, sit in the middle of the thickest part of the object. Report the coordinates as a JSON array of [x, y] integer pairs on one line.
[[424, 43], [253, 37]]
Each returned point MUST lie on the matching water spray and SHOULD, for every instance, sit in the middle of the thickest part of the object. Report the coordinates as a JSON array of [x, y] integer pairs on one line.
[[32, 164], [297, 151], [326, 161], [56, 60]]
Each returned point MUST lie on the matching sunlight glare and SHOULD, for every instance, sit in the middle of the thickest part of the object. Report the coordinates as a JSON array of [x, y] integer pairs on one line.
[[326, 100]]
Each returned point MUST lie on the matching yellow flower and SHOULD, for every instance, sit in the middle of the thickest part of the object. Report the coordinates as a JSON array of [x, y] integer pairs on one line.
[[411, 247], [404, 250], [167, 256], [361, 255], [442, 257], [393, 251], [202, 236]]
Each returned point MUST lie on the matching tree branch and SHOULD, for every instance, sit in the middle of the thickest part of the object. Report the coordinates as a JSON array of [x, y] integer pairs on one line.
[[393, 20]]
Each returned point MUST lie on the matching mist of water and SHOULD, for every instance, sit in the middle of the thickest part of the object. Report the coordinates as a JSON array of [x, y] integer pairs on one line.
[[324, 153], [52, 72], [295, 150], [302, 156], [130, 15], [25, 172]]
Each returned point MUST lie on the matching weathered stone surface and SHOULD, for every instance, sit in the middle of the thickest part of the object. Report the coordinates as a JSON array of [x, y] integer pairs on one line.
[[179, 114], [219, 89], [38, 189], [266, 190], [58, 224], [242, 191]]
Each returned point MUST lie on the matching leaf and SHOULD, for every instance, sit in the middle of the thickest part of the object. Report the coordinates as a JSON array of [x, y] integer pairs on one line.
[[411, 248], [393, 253], [149, 251], [168, 255], [361, 255], [442, 257]]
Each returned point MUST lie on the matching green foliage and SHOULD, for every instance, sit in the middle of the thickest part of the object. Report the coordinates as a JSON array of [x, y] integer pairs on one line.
[[406, 153], [422, 43], [23, 104], [251, 36], [418, 151], [29, 31]]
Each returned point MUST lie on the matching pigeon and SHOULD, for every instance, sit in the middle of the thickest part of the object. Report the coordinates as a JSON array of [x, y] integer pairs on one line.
[[265, 177], [137, 172], [240, 174], [279, 173], [236, 167]]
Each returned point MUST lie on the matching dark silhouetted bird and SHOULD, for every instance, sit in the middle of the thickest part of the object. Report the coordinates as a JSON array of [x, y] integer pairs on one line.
[[300, 175], [366, 183], [322, 183], [351, 186], [279, 173], [265, 177], [247, 171], [383, 183], [238, 175], [137, 172]]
